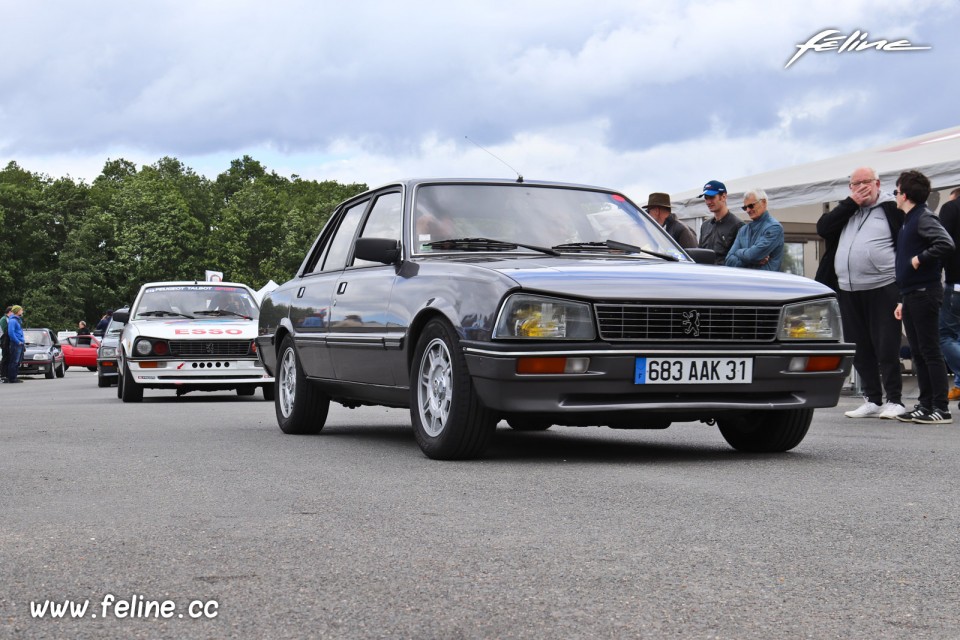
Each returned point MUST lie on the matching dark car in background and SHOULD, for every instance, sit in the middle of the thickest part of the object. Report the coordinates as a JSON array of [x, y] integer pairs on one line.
[[42, 354], [107, 353], [473, 301]]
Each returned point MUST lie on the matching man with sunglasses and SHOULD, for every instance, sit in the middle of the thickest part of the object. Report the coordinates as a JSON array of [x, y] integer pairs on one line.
[[718, 232], [759, 243], [859, 263]]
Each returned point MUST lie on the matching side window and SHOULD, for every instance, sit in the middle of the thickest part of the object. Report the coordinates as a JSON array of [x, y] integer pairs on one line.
[[342, 241], [384, 221]]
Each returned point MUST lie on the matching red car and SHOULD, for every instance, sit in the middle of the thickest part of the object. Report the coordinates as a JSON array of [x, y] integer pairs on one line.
[[81, 351]]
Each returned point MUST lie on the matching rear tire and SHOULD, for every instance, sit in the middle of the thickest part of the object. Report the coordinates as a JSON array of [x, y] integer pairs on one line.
[[766, 431], [301, 407], [449, 420], [130, 391]]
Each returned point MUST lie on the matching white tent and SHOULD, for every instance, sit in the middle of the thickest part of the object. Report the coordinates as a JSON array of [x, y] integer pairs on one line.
[[936, 154]]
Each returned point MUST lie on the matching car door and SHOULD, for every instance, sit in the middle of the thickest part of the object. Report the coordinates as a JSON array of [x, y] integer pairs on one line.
[[310, 309], [363, 336]]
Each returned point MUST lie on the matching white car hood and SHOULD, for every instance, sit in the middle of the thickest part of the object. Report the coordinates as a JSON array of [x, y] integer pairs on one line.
[[197, 329]]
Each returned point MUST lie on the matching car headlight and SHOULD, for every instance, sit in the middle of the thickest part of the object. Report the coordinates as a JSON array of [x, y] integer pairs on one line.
[[40, 356], [815, 320], [536, 317], [108, 352]]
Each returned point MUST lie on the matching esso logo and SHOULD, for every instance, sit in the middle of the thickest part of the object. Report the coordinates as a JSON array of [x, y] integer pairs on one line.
[[208, 332]]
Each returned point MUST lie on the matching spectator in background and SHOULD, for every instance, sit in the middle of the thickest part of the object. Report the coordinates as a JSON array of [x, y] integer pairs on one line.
[[759, 243], [922, 244], [950, 310], [82, 329], [15, 331], [5, 343], [658, 206], [859, 263], [104, 321], [719, 232]]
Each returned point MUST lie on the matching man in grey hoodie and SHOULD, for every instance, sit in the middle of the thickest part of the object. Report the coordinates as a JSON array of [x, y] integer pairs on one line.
[[860, 265]]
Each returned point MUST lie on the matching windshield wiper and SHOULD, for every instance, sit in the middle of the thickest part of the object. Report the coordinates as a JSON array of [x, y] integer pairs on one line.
[[223, 312], [485, 244], [580, 246], [621, 246], [162, 312]]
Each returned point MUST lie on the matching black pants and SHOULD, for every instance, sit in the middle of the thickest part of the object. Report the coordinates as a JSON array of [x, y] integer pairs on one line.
[[868, 321], [5, 345], [921, 318]]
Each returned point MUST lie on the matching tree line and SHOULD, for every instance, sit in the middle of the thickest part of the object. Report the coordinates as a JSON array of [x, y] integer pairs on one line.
[[70, 250]]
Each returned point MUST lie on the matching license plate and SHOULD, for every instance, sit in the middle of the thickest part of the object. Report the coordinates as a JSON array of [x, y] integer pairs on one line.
[[693, 371]]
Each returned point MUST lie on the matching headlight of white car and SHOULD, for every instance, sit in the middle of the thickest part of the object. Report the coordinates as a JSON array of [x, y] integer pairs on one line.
[[536, 317], [814, 320], [108, 352]]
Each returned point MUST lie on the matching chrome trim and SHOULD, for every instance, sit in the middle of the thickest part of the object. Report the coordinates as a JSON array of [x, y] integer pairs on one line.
[[672, 352]]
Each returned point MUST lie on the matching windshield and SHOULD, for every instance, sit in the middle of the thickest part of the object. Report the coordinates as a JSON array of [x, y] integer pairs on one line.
[[114, 328], [533, 215], [196, 301], [37, 338]]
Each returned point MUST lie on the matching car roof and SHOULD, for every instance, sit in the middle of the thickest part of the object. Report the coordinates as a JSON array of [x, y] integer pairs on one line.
[[202, 283], [414, 182]]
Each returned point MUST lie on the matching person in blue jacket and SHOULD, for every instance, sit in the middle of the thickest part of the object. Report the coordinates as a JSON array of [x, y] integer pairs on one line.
[[15, 331], [759, 243]]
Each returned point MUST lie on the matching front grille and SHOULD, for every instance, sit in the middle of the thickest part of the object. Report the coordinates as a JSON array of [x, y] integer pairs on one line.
[[690, 323], [206, 348]]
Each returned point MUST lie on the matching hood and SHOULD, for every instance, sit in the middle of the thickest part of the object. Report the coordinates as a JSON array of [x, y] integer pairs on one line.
[[618, 279], [198, 328]]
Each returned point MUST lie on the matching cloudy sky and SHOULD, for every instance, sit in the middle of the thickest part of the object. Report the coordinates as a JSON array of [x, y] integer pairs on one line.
[[632, 94]]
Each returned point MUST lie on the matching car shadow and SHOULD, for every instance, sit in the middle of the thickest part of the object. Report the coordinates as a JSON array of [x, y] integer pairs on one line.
[[576, 445]]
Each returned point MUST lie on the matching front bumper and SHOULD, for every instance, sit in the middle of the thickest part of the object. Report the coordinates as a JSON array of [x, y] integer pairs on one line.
[[32, 368], [197, 373], [107, 368], [607, 387]]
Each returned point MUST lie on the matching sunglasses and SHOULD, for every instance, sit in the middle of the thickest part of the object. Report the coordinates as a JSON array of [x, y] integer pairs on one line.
[[749, 207], [896, 192]]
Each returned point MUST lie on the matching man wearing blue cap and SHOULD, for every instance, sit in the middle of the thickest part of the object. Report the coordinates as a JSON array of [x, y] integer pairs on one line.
[[719, 232]]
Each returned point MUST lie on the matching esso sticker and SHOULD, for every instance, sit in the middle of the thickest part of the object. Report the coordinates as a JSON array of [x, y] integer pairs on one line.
[[212, 332]]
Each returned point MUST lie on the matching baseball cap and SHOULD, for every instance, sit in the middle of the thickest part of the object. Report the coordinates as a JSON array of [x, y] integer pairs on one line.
[[712, 188]]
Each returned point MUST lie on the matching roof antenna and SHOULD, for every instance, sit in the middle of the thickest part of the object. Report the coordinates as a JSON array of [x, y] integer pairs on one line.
[[519, 177]]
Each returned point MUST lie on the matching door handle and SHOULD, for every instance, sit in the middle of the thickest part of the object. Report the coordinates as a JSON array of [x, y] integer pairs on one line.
[[301, 292], [341, 288]]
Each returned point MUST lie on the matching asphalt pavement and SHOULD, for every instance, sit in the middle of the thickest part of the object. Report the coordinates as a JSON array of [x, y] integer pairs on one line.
[[197, 518]]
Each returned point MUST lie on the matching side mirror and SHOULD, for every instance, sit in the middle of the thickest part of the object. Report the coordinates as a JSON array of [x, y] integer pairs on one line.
[[121, 316], [702, 256], [383, 250]]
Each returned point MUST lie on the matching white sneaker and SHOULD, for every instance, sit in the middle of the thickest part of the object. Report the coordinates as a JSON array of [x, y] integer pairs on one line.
[[866, 410], [891, 410]]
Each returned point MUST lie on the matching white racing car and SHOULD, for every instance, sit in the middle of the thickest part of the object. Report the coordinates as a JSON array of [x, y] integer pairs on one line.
[[191, 336]]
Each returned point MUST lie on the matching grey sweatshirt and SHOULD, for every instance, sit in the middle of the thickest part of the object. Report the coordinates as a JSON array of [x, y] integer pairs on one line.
[[865, 256]]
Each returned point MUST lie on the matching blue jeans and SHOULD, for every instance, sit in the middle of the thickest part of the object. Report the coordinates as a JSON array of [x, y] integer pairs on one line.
[[950, 329], [13, 364]]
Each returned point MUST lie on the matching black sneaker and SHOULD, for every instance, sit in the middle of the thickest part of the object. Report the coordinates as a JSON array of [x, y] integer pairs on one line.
[[937, 416], [911, 416]]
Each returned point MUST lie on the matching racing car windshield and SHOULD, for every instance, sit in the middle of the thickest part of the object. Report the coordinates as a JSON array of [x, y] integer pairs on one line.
[[196, 301], [531, 217]]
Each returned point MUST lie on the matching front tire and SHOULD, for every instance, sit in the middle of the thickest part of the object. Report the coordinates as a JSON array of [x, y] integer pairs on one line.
[[301, 407], [129, 390], [766, 431], [49, 375], [103, 381], [62, 370], [449, 420]]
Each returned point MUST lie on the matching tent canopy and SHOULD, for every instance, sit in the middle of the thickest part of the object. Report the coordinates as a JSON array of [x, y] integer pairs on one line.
[[936, 154]]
